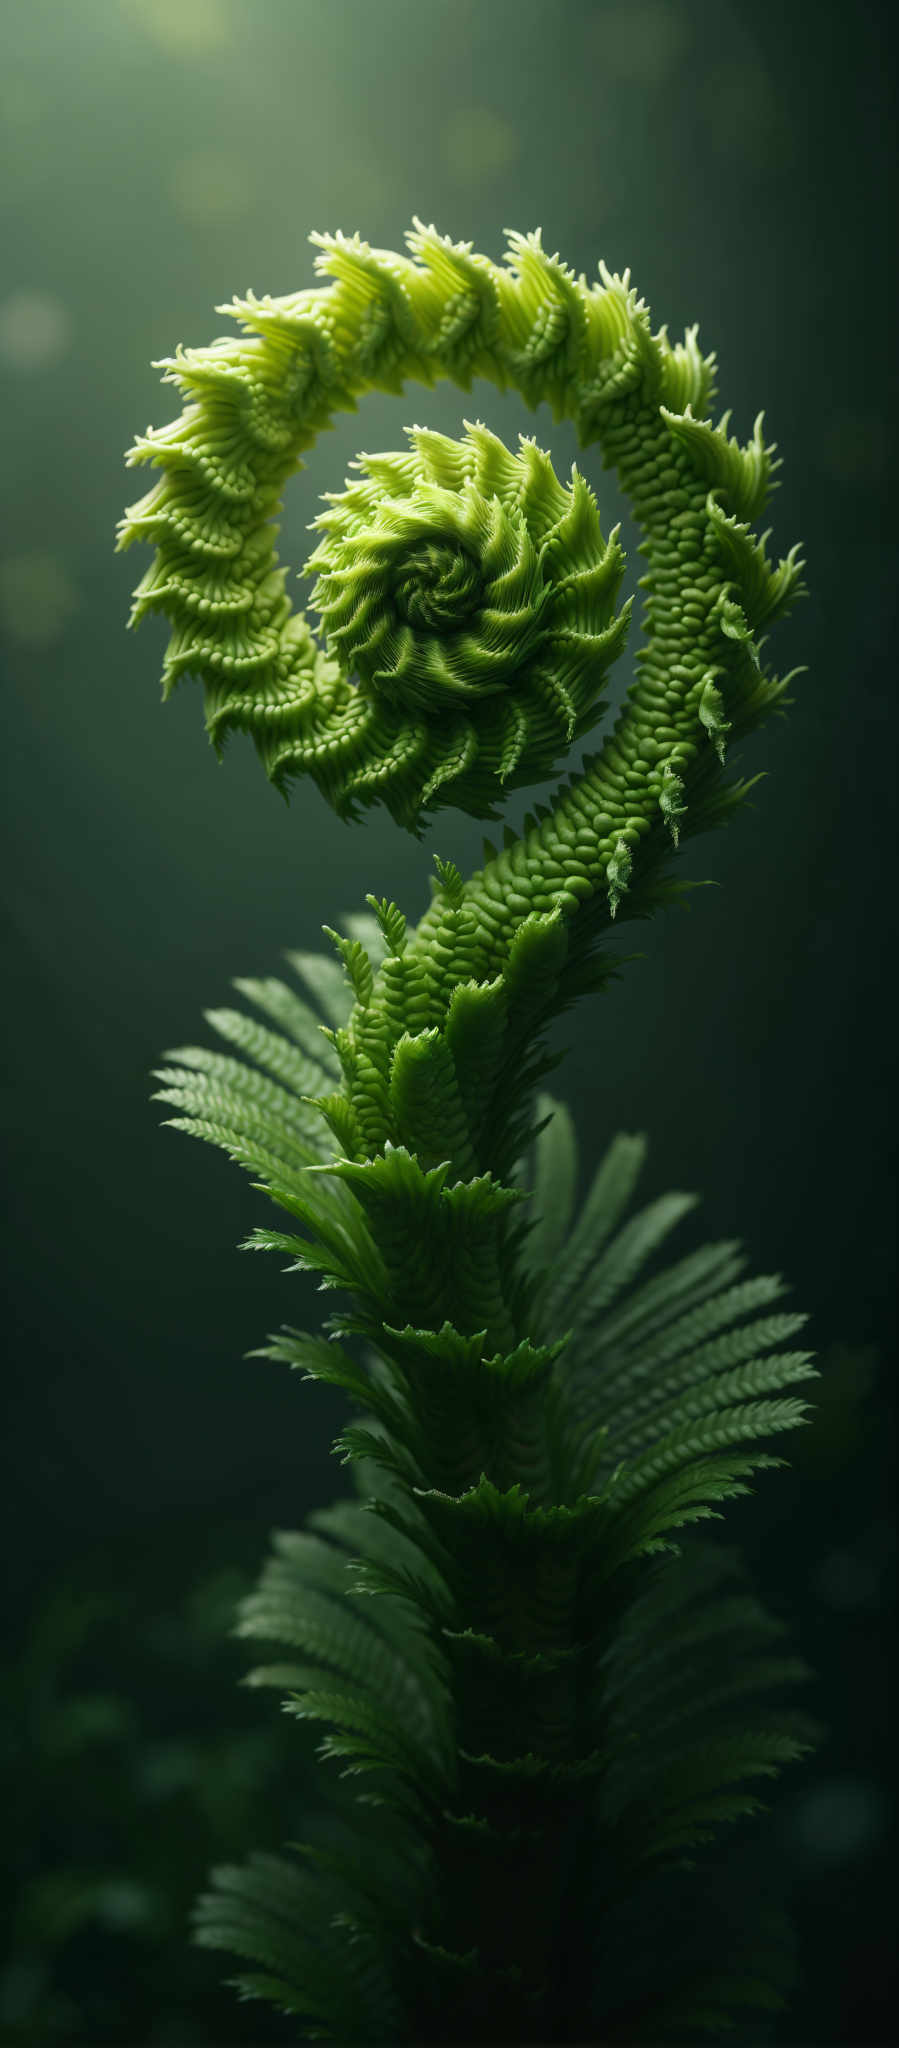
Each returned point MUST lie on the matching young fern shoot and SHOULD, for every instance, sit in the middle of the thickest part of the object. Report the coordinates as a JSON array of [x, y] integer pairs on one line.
[[543, 1695]]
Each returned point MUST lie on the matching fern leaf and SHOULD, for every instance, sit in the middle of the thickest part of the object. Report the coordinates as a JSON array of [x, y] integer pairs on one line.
[[641, 1386], [281, 1611], [362, 1545], [323, 1359], [361, 925], [245, 1152], [675, 1290], [626, 1254], [325, 979], [269, 1049], [292, 1015], [699, 1439], [705, 1397], [371, 1740], [229, 1109], [274, 1913], [255, 1090], [359, 1442], [282, 1677], [555, 1182], [356, 965], [609, 1194], [713, 1314]]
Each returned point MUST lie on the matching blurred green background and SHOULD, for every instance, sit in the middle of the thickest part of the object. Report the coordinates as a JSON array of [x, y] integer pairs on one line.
[[158, 157]]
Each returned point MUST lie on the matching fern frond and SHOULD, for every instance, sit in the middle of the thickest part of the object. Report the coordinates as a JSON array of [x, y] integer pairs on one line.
[[523, 1496], [609, 1194], [676, 1289], [322, 1359], [363, 1545], [268, 1049], [708, 1397], [230, 1108], [241, 1147], [707, 1317], [702, 1437], [555, 1182], [198, 1064], [290, 1013], [367, 1739], [324, 978], [275, 1913], [626, 1255]]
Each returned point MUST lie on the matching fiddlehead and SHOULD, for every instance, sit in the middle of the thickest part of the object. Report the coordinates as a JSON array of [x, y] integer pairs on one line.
[[400, 708], [473, 597], [467, 605]]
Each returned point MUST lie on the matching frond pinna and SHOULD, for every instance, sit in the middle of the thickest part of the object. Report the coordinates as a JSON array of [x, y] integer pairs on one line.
[[545, 1695]]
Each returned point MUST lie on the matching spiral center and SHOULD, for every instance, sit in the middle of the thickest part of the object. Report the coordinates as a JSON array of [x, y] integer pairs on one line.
[[438, 588]]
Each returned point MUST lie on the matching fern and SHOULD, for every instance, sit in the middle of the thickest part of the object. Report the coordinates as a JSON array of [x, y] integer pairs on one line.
[[680, 1749], [547, 1698]]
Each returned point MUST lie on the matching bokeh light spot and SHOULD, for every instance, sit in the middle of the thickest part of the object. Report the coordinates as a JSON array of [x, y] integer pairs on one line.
[[746, 117], [845, 1581], [209, 186], [185, 27], [34, 330], [854, 446], [479, 143], [639, 42], [838, 1821], [37, 598]]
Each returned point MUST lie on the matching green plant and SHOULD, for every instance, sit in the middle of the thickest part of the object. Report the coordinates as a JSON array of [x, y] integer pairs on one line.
[[551, 1696]]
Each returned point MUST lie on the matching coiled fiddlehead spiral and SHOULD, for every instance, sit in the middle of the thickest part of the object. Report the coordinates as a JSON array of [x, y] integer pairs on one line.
[[473, 597], [392, 733]]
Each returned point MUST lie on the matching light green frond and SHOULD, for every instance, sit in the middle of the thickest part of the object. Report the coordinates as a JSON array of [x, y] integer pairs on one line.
[[232, 1108], [475, 1035], [691, 1439], [741, 474], [703, 1397], [555, 1182], [245, 1086], [324, 978], [324, 1359], [390, 922], [287, 1010], [356, 965], [240, 1147], [269, 1049], [361, 925], [688, 1331], [609, 1195], [627, 1254], [427, 1103], [675, 1291], [732, 1347]]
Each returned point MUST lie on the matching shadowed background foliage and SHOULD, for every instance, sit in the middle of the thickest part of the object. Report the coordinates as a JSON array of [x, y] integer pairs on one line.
[[159, 156]]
